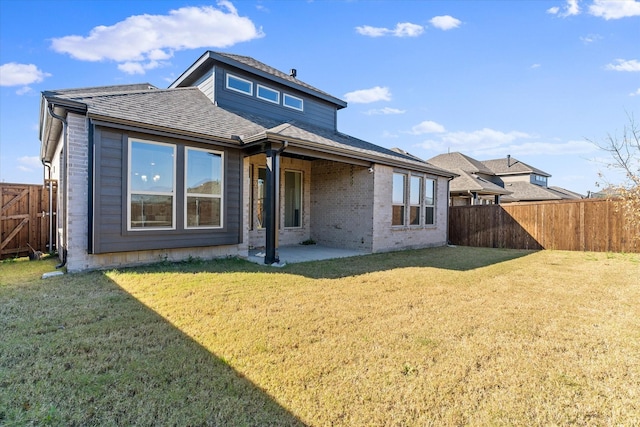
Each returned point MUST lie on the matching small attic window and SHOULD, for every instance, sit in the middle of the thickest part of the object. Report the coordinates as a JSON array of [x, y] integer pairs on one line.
[[292, 102], [239, 85], [268, 94]]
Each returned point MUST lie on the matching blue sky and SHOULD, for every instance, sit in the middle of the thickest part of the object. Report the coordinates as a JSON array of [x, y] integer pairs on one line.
[[533, 79]]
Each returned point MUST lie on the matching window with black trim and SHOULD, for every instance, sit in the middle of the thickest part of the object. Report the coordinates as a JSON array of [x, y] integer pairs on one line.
[[151, 186], [203, 192]]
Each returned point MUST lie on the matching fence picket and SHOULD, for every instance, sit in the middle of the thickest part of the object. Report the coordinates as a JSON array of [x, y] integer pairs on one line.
[[577, 225]]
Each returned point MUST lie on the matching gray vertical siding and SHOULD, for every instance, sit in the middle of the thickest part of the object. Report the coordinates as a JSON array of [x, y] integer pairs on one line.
[[317, 112], [110, 197]]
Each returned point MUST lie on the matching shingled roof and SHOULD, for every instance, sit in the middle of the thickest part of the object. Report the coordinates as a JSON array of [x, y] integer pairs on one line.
[[466, 182], [511, 166], [456, 160], [188, 112], [527, 192]]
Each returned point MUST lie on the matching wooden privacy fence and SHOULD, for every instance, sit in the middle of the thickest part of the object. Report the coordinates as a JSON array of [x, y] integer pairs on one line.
[[597, 225], [24, 218]]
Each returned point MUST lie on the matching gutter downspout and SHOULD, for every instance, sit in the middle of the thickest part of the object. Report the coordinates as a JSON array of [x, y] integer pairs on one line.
[[47, 165], [65, 152], [448, 209]]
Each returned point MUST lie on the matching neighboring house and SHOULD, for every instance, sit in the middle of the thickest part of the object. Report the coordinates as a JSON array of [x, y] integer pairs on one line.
[[473, 185], [525, 182], [233, 155]]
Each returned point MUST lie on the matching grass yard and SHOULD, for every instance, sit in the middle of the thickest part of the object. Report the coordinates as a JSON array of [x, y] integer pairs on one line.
[[446, 336]]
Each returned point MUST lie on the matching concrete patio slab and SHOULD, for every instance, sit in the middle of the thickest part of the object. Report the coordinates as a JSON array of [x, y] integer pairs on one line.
[[304, 253]]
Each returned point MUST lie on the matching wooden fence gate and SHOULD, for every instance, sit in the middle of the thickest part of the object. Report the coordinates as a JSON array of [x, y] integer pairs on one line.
[[25, 219]]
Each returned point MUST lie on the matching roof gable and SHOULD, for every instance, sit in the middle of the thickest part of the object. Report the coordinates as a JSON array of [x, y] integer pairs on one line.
[[456, 160], [512, 166], [253, 66], [467, 181]]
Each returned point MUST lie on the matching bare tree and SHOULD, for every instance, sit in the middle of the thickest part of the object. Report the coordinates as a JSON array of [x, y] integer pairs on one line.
[[625, 157]]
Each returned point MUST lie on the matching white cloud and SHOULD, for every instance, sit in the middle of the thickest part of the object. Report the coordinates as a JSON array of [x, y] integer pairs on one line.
[[623, 65], [445, 22], [147, 39], [366, 96], [532, 148], [29, 163], [385, 111], [570, 8], [636, 93], [427, 126], [535, 65], [138, 67], [474, 141], [488, 142], [590, 38], [13, 74], [609, 9], [402, 29]]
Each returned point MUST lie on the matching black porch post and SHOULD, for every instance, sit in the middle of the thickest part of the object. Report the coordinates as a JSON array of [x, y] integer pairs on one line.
[[271, 206]]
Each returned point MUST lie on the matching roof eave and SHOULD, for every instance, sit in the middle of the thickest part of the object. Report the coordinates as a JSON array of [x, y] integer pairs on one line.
[[142, 127], [345, 152]]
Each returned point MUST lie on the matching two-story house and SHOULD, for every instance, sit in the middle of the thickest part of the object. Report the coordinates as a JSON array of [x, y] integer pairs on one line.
[[233, 155], [525, 182], [474, 184]]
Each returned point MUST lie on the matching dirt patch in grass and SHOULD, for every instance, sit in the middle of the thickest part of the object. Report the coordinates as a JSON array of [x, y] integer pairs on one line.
[[448, 336]]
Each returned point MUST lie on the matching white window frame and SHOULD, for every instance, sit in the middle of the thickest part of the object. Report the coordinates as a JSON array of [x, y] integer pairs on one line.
[[277, 101], [232, 76], [151, 193], [286, 96], [202, 195]]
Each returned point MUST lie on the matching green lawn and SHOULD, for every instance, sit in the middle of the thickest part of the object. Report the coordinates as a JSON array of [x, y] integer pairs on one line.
[[445, 336]]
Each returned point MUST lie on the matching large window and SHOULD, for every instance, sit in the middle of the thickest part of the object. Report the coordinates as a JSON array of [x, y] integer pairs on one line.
[[430, 201], [415, 200], [203, 192], [399, 198], [151, 187], [292, 199], [239, 85]]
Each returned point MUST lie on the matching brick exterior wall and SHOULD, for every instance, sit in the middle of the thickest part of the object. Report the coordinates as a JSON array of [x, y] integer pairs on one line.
[[342, 205], [286, 236], [387, 238]]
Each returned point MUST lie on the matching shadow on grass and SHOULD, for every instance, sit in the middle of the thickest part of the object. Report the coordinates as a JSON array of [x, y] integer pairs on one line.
[[457, 258], [448, 258], [79, 350]]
